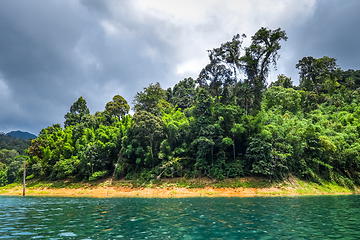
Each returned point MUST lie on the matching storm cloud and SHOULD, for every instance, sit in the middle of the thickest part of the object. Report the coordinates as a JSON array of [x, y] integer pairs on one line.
[[53, 52]]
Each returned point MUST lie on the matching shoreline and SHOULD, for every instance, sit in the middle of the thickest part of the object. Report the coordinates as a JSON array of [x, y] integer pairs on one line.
[[104, 192], [176, 188]]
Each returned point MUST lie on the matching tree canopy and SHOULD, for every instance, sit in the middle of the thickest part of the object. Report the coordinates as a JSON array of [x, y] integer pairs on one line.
[[118, 107], [227, 123], [77, 111]]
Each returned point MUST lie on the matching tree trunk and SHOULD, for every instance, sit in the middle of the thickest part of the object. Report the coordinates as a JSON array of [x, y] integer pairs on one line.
[[152, 155], [234, 147]]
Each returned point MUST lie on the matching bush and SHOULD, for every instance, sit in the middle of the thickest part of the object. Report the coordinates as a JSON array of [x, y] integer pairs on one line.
[[97, 175]]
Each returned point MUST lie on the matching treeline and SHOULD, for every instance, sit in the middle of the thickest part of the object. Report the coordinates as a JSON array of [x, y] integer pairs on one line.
[[8, 142], [11, 149], [224, 124]]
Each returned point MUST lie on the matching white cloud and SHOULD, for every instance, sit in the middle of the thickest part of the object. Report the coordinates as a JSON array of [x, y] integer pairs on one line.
[[177, 12], [190, 68], [109, 28], [202, 25], [235, 13]]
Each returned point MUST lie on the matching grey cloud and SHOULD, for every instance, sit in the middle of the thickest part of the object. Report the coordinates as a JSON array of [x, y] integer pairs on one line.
[[332, 32], [52, 52]]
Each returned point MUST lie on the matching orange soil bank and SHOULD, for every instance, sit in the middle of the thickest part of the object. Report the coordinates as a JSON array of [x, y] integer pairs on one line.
[[156, 192]]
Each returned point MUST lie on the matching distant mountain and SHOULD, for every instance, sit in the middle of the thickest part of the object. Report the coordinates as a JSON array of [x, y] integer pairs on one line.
[[22, 135]]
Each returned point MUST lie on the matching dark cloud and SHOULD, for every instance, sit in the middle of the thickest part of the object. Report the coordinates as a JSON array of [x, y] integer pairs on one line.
[[36, 60], [52, 52], [331, 31]]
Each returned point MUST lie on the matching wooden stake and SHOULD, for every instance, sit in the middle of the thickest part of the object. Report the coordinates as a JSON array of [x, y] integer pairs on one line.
[[24, 178]]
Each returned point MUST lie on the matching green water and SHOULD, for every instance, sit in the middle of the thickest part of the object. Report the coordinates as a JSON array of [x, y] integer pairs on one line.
[[322, 217]]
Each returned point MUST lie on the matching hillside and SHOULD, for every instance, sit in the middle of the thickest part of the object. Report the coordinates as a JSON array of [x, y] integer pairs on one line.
[[22, 135]]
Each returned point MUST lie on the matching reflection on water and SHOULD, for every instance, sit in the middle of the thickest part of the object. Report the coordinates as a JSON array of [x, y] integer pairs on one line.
[[330, 217]]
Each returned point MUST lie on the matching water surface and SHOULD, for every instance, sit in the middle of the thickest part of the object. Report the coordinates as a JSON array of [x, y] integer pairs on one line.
[[300, 217]]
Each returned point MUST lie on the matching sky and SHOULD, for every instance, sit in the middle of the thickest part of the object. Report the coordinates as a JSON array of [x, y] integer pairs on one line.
[[53, 52]]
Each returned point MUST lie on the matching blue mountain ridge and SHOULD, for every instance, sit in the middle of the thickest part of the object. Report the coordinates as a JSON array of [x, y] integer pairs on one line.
[[22, 135]]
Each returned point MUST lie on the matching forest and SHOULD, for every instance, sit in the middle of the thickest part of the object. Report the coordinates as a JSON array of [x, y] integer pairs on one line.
[[12, 150], [227, 123]]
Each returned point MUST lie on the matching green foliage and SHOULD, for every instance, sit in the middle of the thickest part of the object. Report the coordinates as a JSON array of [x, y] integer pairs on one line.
[[183, 94], [97, 175], [78, 151], [13, 163], [314, 72], [287, 98], [3, 175], [77, 111], [225, 127], [12, 143], [152, 99], [283, 81], [258, 58], [141, 145], [118, 107]]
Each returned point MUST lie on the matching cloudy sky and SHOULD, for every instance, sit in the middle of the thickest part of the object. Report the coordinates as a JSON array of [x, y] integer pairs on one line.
[[53, 52]]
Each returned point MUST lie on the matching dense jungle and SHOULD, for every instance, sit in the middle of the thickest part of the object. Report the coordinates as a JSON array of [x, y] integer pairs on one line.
[[227, 123]]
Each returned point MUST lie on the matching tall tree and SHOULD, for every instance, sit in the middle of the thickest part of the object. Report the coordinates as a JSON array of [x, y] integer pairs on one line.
[[313, 72], [202, 111], [259, 57], [183, 94], [77, 111], [223, 69], [215, 77], [244, 95], [118, 107], [229, 54], [143, 139]]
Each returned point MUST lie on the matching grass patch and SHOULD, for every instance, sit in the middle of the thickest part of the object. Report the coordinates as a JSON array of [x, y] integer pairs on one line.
[[43, 192], [54, 184], [11, 186], [206, 192], [84, 191], [244, 183], [306, 187], [290, 186]]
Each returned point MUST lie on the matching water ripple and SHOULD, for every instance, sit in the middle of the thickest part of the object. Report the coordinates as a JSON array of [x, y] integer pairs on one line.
[[188, 218]]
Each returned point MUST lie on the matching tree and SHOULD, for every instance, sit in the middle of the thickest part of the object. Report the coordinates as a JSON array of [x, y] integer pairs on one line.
[[218, 77], [258, 58], [229, 119], [202, 111], [150, 99], [77, 111], [3, 175], [229, 54], [286, 98], [313, 72], [352, 75], [222, 71], [141, 146], [13, 163], [243, 95], [118, 107], [283, 81], [183, 93]]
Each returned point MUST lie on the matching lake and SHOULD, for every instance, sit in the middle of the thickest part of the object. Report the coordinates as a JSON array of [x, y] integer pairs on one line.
[[299, 217]]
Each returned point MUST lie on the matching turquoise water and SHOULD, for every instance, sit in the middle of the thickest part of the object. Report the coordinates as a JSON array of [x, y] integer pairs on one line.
[[322, 217]]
